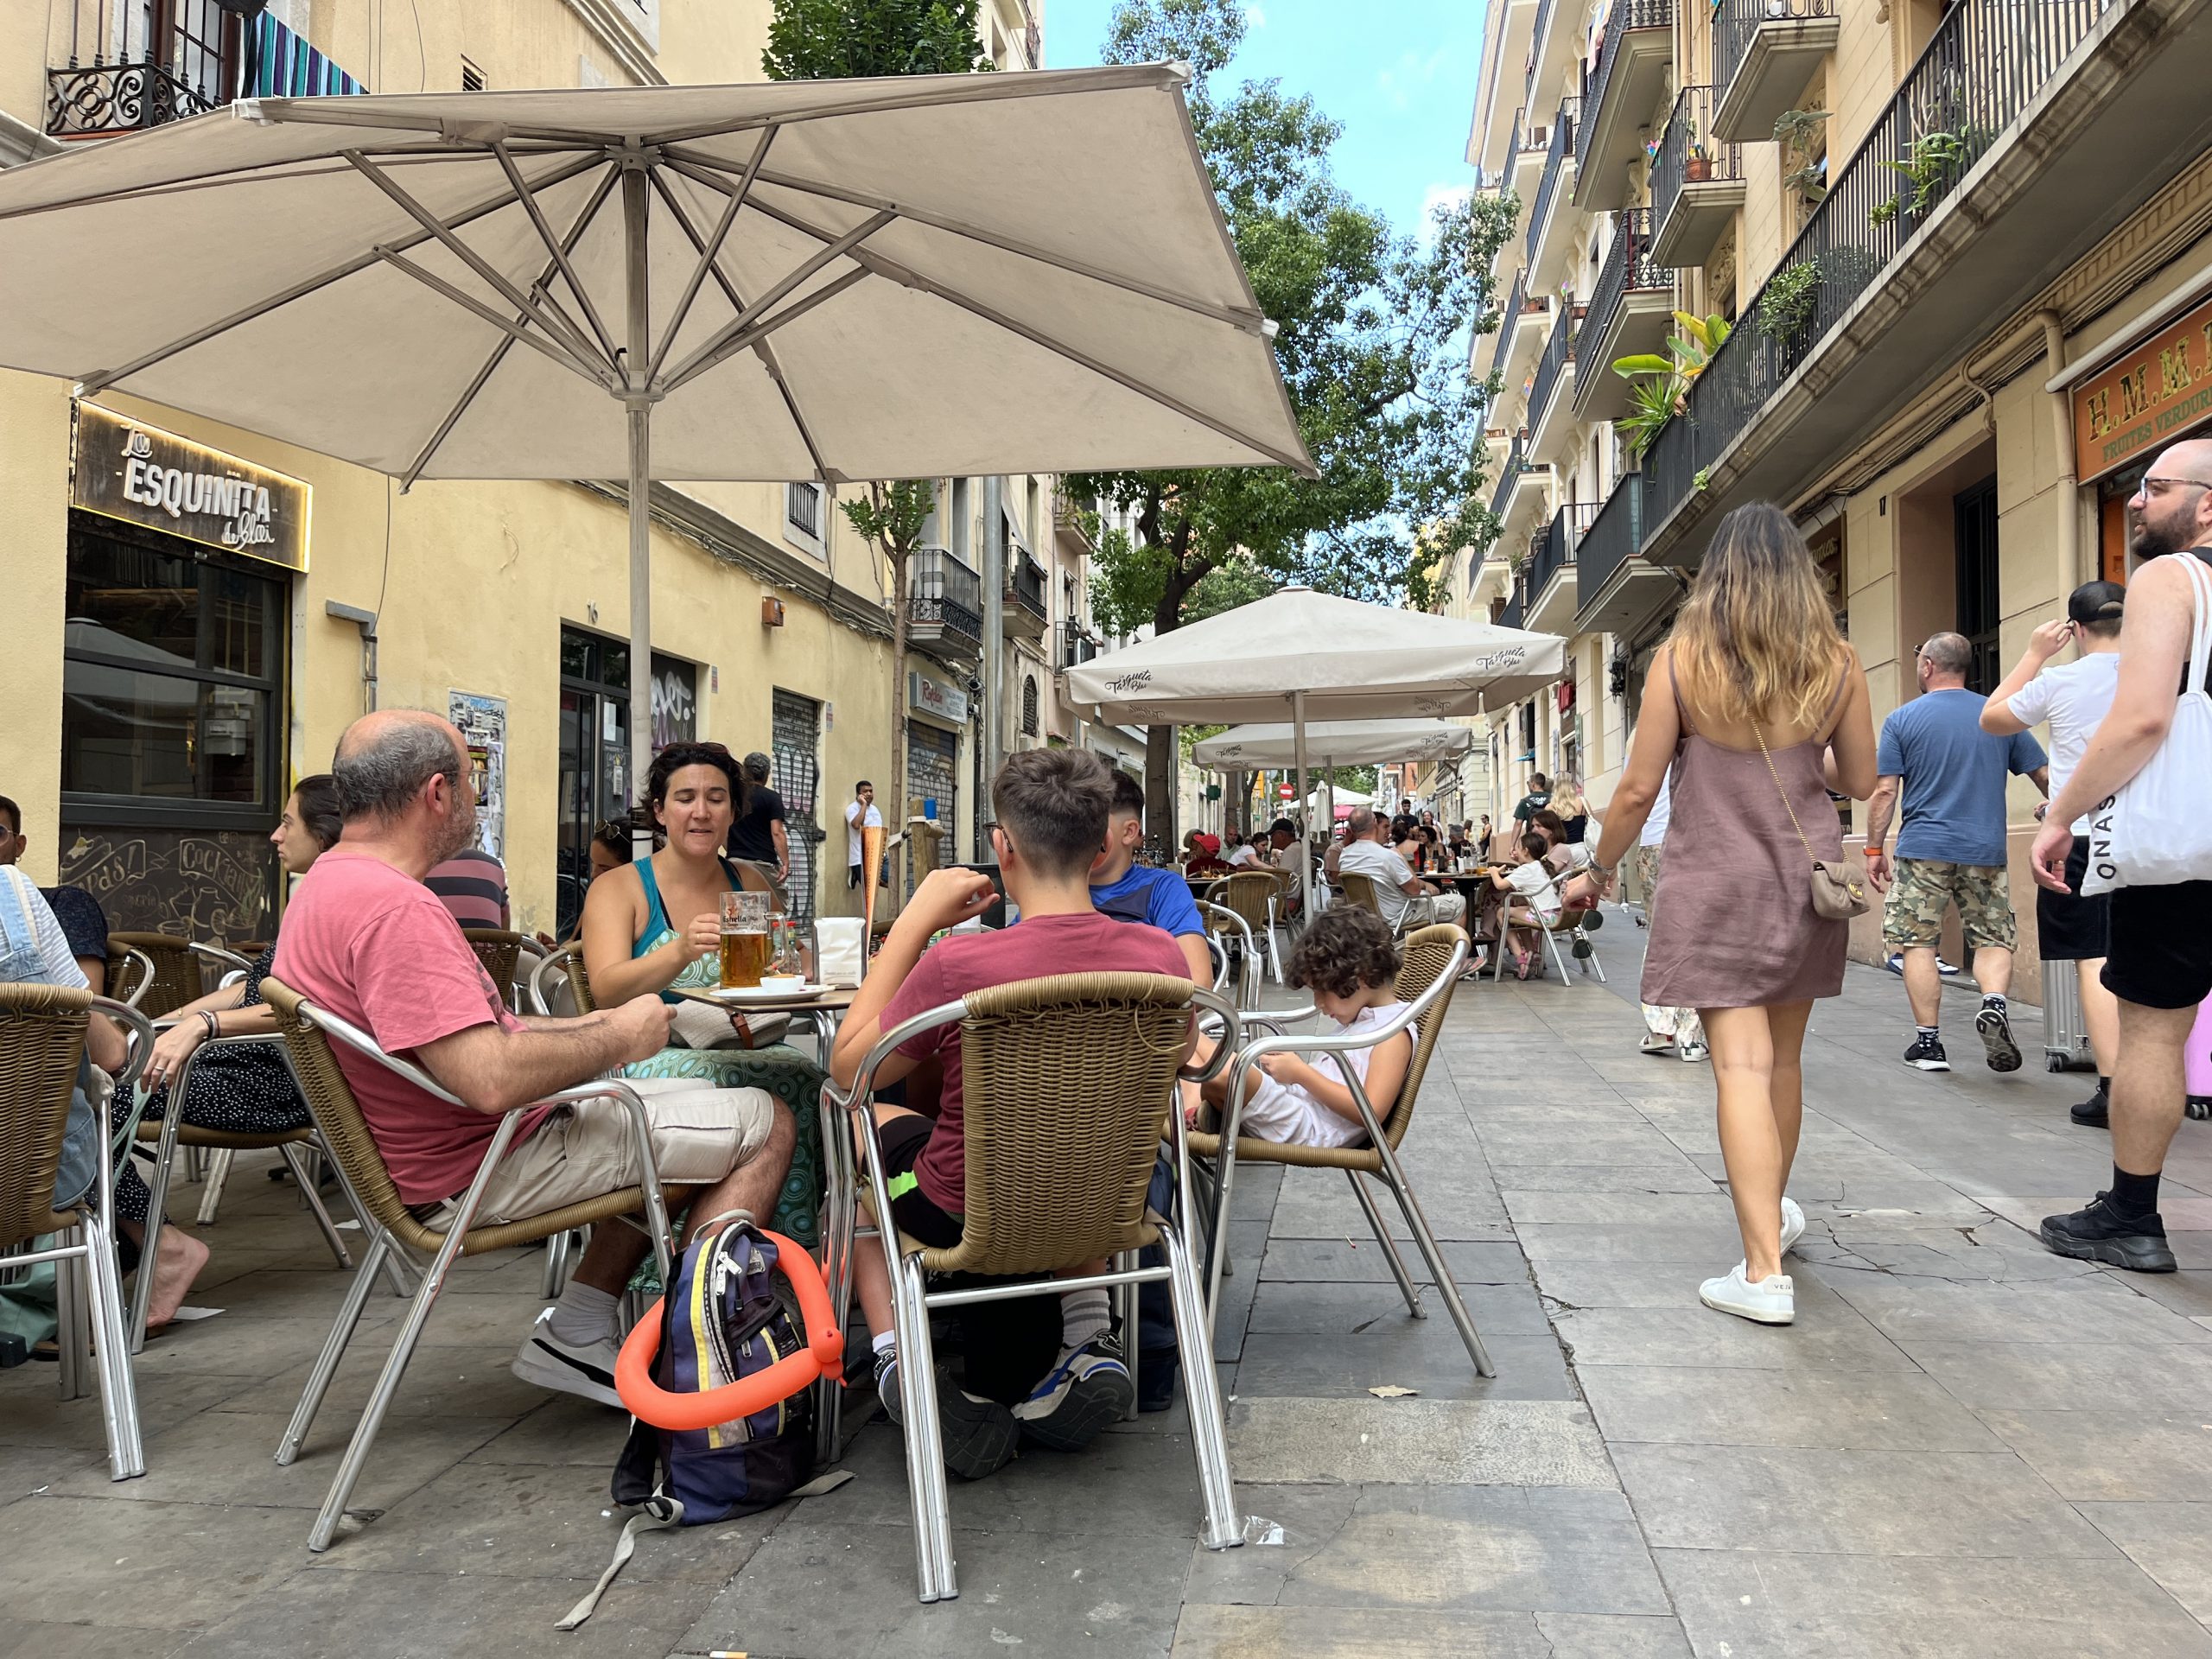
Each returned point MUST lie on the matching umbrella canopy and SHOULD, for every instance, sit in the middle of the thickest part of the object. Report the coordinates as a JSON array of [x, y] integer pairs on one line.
[[927, 277], [1334, 743], [1352, 661]]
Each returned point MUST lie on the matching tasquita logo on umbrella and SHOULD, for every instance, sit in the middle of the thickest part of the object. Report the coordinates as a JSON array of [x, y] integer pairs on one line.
[[1120, 685], [1229, 752]]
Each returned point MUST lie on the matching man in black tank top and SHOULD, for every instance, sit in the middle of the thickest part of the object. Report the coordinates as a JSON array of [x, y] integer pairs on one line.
[[2160, 965]]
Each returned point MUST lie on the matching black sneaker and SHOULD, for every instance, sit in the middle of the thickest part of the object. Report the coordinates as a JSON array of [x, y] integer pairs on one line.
[[1995, 1031], [886, 1385], [980, 1434], [1927, 1054], [2096, 1112], [1087, 1389], [2098, 1233]]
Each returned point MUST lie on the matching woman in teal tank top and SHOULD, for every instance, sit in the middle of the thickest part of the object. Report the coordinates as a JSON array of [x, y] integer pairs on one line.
[[652, 928]]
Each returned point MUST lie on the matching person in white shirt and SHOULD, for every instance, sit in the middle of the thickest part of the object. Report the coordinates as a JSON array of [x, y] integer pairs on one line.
[[2074, 697], [1533, 901], [860, 814], [1239, 854], [1407, 901]]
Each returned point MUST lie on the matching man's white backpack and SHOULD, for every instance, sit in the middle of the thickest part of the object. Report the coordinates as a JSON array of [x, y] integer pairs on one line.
[[2157, 829]]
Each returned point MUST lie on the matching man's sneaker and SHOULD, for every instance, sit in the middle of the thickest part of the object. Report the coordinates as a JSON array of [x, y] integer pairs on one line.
[[1792, 1223], [1995, 1030], [2099, 1233], [1896, 965], [1770, 1301], [549, 1363], [1086, 1390], [1927, 1054], [886, 1385], [2096, 1112]]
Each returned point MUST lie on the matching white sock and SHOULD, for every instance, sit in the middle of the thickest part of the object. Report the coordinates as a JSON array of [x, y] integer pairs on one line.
[[1083, 1316], [583, 1316], [885, 1342]]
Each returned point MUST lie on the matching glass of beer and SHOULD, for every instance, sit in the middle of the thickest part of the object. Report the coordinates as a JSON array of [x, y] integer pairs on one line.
[[745, 939]]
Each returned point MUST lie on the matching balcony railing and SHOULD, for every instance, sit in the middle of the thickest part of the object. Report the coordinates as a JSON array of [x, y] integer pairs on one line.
[[1536, 44], [1075, 646], [1559, 351], [1610, 539], [1985, 62], [1516, 462], [1626, 15], [1629, 268], [1562, 146], [1024, 585], [943, 592], [1736, 24], [1688, 147], [1516, 602], [1553, 549], [131, 66], [1509, 318]]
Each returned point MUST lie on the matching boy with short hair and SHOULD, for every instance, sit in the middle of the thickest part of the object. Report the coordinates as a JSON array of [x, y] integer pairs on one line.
[[1128, 892], [1052, 807]]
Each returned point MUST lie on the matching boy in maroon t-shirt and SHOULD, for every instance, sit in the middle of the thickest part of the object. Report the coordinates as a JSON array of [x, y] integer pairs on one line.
[[1051, 807]]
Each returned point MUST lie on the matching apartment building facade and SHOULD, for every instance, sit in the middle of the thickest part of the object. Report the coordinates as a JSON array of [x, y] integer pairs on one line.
[[1962, 250], [165, 685]]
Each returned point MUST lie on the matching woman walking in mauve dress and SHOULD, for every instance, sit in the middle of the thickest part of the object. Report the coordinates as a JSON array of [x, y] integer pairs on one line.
[[1761, 709]]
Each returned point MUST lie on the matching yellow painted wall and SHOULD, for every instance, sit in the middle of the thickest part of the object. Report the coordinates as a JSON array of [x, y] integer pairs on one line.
[[33, 466]]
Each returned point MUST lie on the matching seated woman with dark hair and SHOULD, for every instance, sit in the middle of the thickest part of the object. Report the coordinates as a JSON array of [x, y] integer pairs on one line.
[[247, 1090]]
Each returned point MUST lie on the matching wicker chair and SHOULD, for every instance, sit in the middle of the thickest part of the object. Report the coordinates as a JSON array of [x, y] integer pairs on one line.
[[1225, 928], [41, 1042], [154, 973], [558, 985], [1254, 895], [1068, 1081], [1573, 925], [1434, 955], [499, 950], [308, 1032], [1360, 890]]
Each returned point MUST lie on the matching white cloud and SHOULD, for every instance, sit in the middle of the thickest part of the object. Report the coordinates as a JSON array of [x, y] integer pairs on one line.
[[1414, 70], [1253, 17], [1436, 196]]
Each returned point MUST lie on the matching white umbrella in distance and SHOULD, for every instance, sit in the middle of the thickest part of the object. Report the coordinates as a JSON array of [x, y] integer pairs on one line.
[[1317, 657], [928, 276], [1337, 743]]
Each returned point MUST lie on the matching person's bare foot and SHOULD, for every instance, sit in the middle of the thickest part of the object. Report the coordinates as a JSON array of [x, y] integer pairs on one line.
[[177, 1263]]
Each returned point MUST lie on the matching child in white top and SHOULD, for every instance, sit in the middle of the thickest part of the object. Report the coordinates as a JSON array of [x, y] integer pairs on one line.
[[1534, 902], [1347, 958]]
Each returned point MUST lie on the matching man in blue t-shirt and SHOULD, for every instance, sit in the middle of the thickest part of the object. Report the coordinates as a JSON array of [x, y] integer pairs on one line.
[[1129, 892], [1950, 847]]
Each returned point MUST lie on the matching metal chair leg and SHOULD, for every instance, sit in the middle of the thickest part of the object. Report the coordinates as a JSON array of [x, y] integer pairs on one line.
[[1407, 1288], [334, 1347], [1202, 1389], [387, 1385], [70, 1332], [1125, 1300], [1218, 1253], [301, 1165], [937, 1578], [557, 1265], [1434, 1254], [127, 1452], [211, 1196]]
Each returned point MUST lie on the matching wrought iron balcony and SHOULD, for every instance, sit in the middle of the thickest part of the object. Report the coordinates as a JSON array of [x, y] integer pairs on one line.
[[1516, 462], [1616, 99], [101, 100], [1516, 602], [1629, 312], [1026, 605], [133, 65], [1557, 360], [1555, 158], [1075, 646], [1697, 183], [1552, 549], [1506, 319], [1609, 538], [1764, 54], [944, 603]]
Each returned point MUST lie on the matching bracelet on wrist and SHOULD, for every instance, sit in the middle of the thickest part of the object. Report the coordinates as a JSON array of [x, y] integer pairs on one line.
[[208, 1019]]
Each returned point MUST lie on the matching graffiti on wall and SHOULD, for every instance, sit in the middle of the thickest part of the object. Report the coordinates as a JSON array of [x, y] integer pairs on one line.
[[214, 885]]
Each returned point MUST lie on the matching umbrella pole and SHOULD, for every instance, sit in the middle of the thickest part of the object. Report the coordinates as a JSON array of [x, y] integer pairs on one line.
[[637, 367], [1304, 806]]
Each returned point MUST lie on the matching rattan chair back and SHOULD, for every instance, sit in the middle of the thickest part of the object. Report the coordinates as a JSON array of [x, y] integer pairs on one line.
[[42, 1041], [1066, 1084], [1359, 890], [499, 949], [1427, 954], [176, 980], [338, 1115], [1247, 893], [569, 960]]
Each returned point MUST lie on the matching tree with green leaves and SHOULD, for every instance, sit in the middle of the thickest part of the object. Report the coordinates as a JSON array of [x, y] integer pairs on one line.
[[1372, 332], [835, 39]]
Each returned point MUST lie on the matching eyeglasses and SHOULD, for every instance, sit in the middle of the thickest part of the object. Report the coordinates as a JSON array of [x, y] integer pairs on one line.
[[2162, 483]]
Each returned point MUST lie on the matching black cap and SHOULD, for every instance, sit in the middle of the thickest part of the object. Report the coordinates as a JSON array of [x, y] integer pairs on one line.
[[2096, 601]]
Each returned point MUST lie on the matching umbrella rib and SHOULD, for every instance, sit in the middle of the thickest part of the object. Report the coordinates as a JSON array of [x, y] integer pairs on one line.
[[552, 348], [735, 343], [906, 277], [557, 327], [761, 348], [322, 279], [526, 195], [710, 252], [713, 351], [599, 192], [1248, 321]]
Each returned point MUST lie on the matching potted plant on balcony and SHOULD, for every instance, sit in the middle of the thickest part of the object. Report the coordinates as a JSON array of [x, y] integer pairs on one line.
[[1697, 165], [1659, 387]]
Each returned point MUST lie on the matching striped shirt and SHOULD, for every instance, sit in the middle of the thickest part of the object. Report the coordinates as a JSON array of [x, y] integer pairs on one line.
[[473, 885]]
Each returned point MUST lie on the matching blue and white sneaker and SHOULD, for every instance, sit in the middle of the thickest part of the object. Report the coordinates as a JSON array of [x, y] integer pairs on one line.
[[1087, 1389], [1896, 965]]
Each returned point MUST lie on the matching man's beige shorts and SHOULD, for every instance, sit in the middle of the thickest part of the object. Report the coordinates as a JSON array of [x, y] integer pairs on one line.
[[584, 1150]]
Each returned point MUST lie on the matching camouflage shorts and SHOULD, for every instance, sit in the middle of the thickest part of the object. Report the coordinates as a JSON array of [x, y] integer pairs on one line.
[[1925, 887]]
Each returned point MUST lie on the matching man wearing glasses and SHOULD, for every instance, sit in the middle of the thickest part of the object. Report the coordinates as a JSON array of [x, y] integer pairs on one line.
[[2160, 961]]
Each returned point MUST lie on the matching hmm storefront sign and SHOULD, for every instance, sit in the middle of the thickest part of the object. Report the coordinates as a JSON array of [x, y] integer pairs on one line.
[[127, 469], [2156, 392]]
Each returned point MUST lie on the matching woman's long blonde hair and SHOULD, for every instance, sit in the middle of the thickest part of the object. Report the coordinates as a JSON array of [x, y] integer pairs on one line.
[[1757, 641]]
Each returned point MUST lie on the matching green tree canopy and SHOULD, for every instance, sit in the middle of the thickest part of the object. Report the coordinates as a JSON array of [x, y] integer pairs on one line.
[[832, 40]]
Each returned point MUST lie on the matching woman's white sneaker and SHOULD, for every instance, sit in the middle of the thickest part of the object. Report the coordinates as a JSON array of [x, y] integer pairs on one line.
[[1793, 1224], [1770, 1301]]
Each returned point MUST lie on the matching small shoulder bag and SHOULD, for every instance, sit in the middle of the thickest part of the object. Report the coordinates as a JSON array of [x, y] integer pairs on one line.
[[1837, 895]]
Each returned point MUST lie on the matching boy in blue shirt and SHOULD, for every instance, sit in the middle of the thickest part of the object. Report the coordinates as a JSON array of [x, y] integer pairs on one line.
[[1128, 892]]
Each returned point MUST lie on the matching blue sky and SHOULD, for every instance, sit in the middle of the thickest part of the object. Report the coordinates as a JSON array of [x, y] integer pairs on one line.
[[1398, 74]]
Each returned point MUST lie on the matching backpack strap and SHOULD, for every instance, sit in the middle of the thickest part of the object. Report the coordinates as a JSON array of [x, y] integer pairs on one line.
[[659, 1514]]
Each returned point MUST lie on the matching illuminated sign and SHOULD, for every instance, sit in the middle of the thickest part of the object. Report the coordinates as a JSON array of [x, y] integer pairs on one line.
[[127, 469], [2156, 392]]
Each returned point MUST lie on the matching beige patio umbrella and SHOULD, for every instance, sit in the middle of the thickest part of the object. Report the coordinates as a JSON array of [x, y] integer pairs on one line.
[[929, 276], [1337, 743]]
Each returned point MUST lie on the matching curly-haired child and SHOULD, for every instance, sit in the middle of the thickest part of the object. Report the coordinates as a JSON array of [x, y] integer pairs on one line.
[[1348, 959]]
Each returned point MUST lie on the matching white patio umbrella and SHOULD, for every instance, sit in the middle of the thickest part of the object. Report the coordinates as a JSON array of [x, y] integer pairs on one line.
[[929, 276], [1317, 657], [1336, 743]]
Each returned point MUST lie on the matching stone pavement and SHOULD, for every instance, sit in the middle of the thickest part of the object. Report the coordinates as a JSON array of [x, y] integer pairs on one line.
[[1964, 1448]]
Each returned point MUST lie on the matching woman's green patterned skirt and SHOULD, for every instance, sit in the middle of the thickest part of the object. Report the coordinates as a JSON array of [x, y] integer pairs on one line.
[[796, 1083]]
